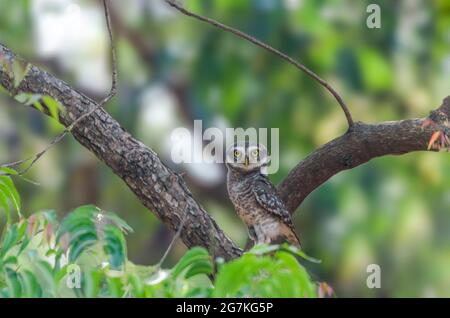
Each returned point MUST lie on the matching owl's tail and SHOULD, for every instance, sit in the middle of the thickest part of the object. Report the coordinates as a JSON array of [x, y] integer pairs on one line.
[[292, 237]]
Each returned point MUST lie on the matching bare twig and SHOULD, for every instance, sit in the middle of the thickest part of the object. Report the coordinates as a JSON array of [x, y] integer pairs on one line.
[[113, 90], [37, 156], [174, 238], [69, 128], [269, 48]]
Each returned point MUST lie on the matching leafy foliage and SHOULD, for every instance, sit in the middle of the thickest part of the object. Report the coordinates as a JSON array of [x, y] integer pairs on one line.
[[277, 275], [85, 255], [18, 70], [43, 103], [8, 192]]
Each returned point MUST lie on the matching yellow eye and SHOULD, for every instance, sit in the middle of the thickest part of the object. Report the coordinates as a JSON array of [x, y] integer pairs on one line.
[[236, 154], [255, 153]]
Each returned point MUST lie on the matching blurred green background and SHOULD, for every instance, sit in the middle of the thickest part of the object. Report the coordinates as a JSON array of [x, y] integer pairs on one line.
[[393, 211]]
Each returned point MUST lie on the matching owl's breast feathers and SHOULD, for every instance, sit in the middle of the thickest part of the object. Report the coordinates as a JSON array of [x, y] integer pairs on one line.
[[253, 193], [258, 204], [242, 197]]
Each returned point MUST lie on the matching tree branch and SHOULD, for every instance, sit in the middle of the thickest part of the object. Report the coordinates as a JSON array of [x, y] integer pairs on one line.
[[178, 87], [159, 188], [363, 143], [271, 49], [165, 193]]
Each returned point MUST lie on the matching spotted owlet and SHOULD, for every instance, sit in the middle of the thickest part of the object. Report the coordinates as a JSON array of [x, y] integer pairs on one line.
[[255, 198]]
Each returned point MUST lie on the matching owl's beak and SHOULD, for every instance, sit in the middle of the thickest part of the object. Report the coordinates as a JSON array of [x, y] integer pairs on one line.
[[246, 162]]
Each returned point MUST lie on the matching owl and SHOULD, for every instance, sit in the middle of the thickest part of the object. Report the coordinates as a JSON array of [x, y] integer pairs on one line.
[[255, 198]]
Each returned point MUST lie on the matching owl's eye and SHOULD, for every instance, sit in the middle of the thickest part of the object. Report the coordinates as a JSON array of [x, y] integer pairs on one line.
[[236, 153], [255, 153]]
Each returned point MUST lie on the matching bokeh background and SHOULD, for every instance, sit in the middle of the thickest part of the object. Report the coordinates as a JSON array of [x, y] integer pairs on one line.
[[392, 211]]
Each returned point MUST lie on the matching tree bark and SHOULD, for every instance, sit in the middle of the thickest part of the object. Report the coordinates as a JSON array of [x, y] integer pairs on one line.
[[159, 188], [359, 145]]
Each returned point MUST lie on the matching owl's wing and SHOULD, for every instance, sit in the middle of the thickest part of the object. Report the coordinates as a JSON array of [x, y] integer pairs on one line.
[[267, 196]]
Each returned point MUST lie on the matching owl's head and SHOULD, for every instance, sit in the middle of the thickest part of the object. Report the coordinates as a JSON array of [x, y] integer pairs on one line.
[[247, 157]]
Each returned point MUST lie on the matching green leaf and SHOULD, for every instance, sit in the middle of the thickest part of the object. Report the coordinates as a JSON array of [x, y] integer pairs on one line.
[[9, 240], [118, 221], [84, 223], [20, 69], [13, 283], [115, 286], [136, 285], [93, 279], [37, 104], [115, 246], [8, 188], [5, 206], [29, 284], [199, 267], [297, 275], [81, 245], [235, 277], [45, 276], [192, 256], [44, 103], [10, 260], [9, 171], [81, 228], [24, 244], [28, 99], [23, 224], [262, 249], [296, 251], [277, 274], [54, 107], [60, 274]]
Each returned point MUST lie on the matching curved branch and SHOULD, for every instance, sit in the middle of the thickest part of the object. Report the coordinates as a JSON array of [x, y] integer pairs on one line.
[[363, 143], [159, 188], [271, 49]]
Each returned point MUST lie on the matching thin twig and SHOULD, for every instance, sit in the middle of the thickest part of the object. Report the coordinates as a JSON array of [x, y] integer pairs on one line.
[[269, 48], [113, 90], [174, 238], [37, 156], [69, 128]]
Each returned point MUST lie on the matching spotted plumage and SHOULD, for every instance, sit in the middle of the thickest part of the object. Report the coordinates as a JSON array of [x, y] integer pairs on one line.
[[255, 198]]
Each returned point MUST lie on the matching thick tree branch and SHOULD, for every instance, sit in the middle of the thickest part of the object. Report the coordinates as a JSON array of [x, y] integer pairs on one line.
[[363, 143], [160, 189]]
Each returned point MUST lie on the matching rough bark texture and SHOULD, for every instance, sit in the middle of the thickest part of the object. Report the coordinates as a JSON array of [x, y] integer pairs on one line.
[[359, 145], [160, 189], [164, 192]]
